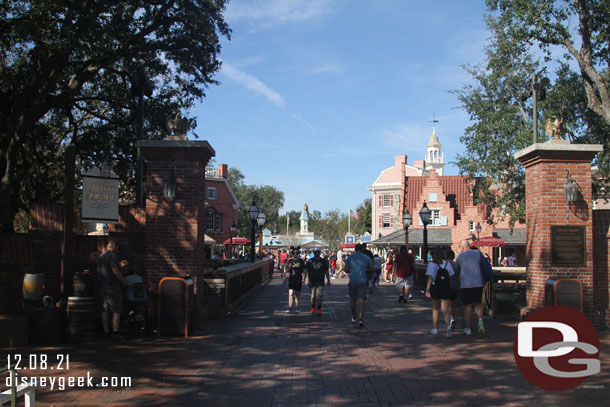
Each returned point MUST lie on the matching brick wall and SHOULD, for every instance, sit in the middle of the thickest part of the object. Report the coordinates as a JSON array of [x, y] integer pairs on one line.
[[546, 206], [174, 233], [223, 206]]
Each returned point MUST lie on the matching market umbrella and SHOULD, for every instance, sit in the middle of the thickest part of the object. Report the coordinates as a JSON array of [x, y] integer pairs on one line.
[[490, 241], [237, 240]]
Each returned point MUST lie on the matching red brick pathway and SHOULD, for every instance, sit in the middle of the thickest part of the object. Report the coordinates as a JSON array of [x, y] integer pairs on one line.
[[264, 357]]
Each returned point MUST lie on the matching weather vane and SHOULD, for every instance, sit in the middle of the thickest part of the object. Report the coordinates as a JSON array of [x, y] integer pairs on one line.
[[433, 121]]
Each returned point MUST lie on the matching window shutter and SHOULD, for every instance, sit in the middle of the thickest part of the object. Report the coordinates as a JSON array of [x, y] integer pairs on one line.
[[380, 200], [392, 200], [380, 221], [391, 221]]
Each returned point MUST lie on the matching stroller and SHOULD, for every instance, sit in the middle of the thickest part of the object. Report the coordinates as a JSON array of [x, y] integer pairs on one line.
[[135, 306]]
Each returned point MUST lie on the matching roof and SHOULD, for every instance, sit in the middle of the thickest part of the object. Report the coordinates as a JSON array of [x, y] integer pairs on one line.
[[434, 139], [456, 189], [511, 237], [436, 236], [304, 216]]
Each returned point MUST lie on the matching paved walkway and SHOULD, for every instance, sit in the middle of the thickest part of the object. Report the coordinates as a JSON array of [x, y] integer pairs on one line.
[[264, 357]]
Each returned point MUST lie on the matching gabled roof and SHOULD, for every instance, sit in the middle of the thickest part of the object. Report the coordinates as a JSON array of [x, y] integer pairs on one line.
[[455, 187], [226, 183], [511, 237]]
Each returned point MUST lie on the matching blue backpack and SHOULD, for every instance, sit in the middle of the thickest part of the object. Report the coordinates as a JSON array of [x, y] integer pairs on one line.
[[486, 270]]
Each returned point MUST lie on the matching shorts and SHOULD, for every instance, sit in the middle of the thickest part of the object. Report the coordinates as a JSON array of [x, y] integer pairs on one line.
[[357, 290], [404, 282], [317, 291], [439, 294], [295, 284], [111, 298], [339, 266], [471, 295], [284, 267], [453, 295]]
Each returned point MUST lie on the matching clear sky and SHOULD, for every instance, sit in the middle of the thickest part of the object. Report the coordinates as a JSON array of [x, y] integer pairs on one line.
[[317, 96]]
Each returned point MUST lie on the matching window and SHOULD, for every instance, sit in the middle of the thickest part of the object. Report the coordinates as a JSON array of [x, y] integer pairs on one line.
[[386, 220], [209, 220], [432, 197], [211, 193], [435, 215], [387, 200], [218, 223], [471, 226]]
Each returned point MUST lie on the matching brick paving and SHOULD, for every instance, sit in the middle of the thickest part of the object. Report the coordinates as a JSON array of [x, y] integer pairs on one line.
[[265, 357]]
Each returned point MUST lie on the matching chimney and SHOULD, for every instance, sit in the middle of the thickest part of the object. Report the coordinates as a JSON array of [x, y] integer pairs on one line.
[[419, 164], [400, 160], [223, 171]]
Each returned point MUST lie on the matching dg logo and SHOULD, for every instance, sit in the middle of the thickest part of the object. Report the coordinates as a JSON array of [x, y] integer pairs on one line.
[[556, 348]]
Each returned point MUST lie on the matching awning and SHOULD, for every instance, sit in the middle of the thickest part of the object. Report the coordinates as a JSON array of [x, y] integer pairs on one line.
[[436, 237], [347, 245], [237, 240], [208, 240], [490, 241]]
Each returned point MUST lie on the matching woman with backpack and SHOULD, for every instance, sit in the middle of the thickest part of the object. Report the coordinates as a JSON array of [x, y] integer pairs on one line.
[[438, 288]]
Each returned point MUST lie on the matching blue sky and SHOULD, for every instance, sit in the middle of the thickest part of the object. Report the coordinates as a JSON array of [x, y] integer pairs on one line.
[[317, 96]]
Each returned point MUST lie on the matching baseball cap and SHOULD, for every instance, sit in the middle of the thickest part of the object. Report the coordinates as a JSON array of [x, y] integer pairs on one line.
[[316, 249]]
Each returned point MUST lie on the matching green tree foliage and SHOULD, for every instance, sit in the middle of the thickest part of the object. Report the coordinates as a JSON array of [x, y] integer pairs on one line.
[[500, 113], [267, 198], [78, 72]]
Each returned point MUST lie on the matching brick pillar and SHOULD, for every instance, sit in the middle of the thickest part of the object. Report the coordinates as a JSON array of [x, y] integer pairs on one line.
[[174, 233], [545, 176]]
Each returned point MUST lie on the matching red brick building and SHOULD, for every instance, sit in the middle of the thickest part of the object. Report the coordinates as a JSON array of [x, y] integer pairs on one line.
[[221, 205]]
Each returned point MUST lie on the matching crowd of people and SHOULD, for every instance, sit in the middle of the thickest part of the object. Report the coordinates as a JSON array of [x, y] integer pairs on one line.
[[450, 280]]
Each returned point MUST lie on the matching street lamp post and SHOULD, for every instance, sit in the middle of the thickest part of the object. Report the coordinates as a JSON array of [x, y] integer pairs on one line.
[[232, 230], [407, 219], [253, 221], [424, 215], [479, 228], [260, 220]]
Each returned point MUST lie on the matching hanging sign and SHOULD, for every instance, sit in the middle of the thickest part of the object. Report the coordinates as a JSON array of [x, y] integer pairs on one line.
[[100, 196]]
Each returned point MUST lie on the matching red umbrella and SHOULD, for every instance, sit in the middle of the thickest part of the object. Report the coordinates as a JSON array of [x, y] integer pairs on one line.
[[237, 240], [490, 241]]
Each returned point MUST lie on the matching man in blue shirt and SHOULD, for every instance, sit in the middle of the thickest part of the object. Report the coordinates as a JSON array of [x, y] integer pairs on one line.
[[356, 267]]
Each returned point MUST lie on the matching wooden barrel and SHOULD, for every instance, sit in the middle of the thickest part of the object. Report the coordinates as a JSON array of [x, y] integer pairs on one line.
[[82, 319], [33, 286], [83, 285], [48, 325]]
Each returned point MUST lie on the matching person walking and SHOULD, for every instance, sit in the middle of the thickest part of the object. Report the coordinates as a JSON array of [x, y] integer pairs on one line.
[[377, 273], [439, 273], [284, 262], [389, 266], [109, 279], [356, 267], [369, 273], [296, 267], [471, 285], [454, 288], [404, 266], [315, 270]]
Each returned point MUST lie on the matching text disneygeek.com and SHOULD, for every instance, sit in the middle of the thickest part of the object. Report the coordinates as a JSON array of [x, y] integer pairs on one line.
[[61, 383]]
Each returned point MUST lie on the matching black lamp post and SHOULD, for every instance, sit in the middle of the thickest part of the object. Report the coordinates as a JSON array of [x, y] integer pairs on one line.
[[479, 228], [424, 215], [232, 230], [407, 219], [253, 216]]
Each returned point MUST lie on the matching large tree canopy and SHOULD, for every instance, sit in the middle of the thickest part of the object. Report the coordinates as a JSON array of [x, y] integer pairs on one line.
[[501, 114], [77, 72]]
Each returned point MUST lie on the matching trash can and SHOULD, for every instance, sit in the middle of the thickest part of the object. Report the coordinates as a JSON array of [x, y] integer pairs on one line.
[[176, 302], [564, 291]]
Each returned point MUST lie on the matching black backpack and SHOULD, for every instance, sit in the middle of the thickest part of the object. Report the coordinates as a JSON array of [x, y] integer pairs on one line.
[[442, 280]]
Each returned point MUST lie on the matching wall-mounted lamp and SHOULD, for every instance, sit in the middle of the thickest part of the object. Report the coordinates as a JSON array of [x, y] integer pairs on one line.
[[570, 189], [170, 186]]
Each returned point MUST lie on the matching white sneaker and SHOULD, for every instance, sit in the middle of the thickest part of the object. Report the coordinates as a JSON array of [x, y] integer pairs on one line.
[[410, 296], [467, 332], [448, 334], [480, 327], [452, 323], [433, 331], [288, 311], [354, 319], [298, 311]]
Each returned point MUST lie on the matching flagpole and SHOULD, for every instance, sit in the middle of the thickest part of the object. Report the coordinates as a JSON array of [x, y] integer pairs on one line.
[[349, 221]]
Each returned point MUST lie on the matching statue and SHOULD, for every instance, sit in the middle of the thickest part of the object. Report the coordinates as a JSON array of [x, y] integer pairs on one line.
[[554, 128], [178, 126]]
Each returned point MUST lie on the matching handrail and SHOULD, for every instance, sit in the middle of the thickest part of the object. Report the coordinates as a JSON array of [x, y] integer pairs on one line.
[[13, 385]]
